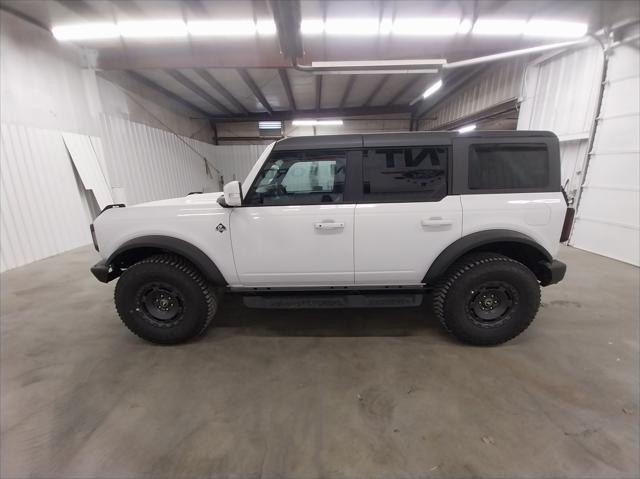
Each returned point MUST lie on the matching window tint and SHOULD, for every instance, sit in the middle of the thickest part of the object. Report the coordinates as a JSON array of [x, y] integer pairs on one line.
[[508, 167], [405, 174], [300, 178]]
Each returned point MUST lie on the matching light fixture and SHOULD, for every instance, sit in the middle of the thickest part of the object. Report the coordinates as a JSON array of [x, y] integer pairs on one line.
[[311, 26], [85, 31], [316, 122], [266, 27], [467, 128], [464, 26], [555, 28], [386, 25], [153, 29], [351, 26], [425, 26], [222, 28], [432, 89], [270, 125], [491, 26]]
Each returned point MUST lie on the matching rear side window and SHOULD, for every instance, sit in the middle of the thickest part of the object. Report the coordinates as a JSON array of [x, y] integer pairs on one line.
[[504, 166], [405, 174], [300, 178]]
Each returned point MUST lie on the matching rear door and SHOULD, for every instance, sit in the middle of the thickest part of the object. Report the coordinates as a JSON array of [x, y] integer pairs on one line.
[[405, 216]]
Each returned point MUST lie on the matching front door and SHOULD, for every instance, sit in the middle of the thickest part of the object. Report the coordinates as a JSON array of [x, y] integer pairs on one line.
[[296, 225]]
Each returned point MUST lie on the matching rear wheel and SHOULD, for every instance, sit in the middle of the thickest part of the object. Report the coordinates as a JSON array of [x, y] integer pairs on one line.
[[487, 299], [164, 299]]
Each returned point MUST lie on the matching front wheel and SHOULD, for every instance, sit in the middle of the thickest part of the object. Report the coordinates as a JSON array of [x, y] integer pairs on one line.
[[164, 299], [487, 299]]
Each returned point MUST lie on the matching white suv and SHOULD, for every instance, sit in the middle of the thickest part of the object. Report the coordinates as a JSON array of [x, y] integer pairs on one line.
[[352, 221]]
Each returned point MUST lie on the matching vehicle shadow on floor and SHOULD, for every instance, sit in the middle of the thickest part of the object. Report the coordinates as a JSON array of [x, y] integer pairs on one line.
[[234, 317]]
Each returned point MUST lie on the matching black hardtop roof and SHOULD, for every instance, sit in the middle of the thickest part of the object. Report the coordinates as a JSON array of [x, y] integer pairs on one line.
[[415, 138]]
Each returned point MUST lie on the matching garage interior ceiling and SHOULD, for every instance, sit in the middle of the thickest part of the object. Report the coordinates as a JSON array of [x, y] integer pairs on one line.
[[238, 78]]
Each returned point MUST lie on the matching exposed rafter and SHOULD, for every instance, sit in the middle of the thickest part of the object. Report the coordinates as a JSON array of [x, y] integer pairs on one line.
[[246, 77], [322, 113], [318, 92], [408, 86], [169, 94], [81, 8], [284, 77], [347, 90], [188, 83], [216, 85], [376, 89], [128, 8]]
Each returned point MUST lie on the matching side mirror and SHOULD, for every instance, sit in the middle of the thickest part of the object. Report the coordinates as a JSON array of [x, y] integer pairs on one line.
[[233, 193]]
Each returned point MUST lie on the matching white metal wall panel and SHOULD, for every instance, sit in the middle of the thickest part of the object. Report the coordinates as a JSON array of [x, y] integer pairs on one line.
[[496, 85], [42, 209], [151, 164], [85, 159], [234, 161], [608, 217], [560, 94]]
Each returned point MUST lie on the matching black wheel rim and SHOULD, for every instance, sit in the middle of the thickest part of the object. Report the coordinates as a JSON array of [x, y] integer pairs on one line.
[[492, 303], [161, 304]]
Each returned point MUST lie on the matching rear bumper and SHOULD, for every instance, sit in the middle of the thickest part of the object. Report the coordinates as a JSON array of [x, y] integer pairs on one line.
[[552, 272], [104, 273]]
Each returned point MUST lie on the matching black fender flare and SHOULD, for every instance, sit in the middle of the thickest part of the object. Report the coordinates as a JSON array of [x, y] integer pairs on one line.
[[475, 240], [173, 245]]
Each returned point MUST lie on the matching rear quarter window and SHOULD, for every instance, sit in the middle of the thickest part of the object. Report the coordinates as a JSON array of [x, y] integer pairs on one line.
[[505, 166]]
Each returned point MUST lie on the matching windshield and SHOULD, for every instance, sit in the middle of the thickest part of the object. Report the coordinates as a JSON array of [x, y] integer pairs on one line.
[[256, 168]]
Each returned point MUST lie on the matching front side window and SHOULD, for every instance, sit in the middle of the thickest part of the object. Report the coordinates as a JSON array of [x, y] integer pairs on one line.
[[507, 166], [300, 178], [405, 174]]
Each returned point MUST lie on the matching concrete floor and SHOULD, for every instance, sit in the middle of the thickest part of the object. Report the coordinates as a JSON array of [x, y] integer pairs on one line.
[[306, 394]]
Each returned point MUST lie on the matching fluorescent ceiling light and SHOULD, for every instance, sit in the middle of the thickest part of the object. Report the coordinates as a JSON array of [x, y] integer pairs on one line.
[[153, 29], [488, 26], [222, 28], [311, 27], [266, 27], [467, 128], [425, 26], [86, 31], [316, 122], [386, 25], [270, 125], [464, 26], [555, 28], [432, 89], [351, 26]]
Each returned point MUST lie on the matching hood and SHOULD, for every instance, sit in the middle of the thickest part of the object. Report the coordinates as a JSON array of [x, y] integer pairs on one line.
[[196, 199]]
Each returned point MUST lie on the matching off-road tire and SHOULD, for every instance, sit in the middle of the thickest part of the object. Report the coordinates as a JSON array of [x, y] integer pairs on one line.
[[457, 308], [192, 297]]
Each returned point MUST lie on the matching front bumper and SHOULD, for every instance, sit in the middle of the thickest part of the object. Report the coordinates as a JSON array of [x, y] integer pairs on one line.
[[552, 272], [104, 273]]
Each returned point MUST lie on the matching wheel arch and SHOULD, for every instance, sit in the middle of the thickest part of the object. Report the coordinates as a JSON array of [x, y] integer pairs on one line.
[[140, 248], [512, 244]]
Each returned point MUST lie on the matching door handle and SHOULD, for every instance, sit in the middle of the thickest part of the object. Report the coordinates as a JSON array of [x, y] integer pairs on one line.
[[328, 225], [435, 222]]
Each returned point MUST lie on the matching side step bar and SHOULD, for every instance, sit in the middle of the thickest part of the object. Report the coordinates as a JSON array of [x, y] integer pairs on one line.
[[333, 301]]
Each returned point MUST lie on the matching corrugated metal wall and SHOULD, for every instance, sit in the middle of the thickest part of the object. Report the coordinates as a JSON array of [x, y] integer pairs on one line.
[[44, 209], [560, 94], [608, 216], [42, 206], [496, 85]]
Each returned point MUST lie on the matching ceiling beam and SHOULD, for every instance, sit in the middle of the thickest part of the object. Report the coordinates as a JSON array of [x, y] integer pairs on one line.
[[376, 89], [169, 94], [284, 77], [22, 16], [81, 8], [128, 8], [244, 74], [286, 15], [189, 84], [196, 7], [217, 86], [318, 92], [347, 90], [322, 113], [408, 86]]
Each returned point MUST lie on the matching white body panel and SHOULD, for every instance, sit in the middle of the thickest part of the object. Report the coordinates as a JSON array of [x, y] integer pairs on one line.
[[192, 219], [537, 215], [396, 242], [310, 245]]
